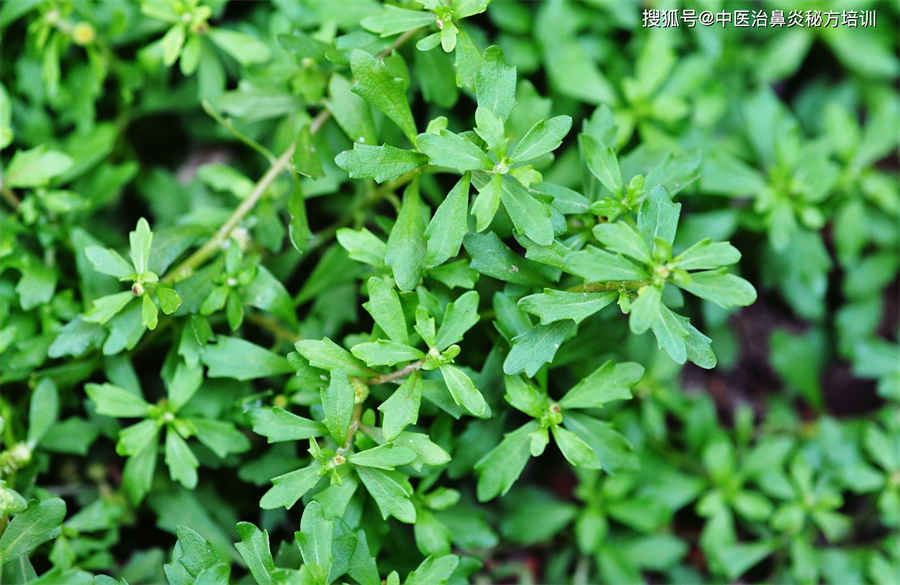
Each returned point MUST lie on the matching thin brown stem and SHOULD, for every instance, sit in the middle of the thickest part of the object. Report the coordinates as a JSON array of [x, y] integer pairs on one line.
[[396, 375], [273, 327], [212, 246], [10, 196]]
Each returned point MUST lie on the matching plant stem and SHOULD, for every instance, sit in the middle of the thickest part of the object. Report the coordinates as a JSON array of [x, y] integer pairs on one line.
[[613, 285], [228, 125], [273, 327], [212, 246], [10, 196], [396, 375]]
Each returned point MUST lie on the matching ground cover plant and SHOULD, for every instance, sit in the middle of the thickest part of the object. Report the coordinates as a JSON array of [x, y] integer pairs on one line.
[[447, 291]]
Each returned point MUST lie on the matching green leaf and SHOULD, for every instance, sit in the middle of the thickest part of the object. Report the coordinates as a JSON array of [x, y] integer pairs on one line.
[[306, 159], [490, 256], [233, 357], [556, 305], [115, 401], [459, 316], [385, 456], [612, 451], [645, 309], [138, 473], [222, 437], [141, 241], [181, 460], [384, 306], [35, 167], [385, 353], [601, 162], [449, 225], [495, 83], [406, 246], [706, 254], [363, 246], [290, 487], [536, 347], [244, 48], [169, 299], [378, 162], [624, 239], [670, 334], [278, 425], [254, 549], [350, 111], [596, 265], [726, 290], [149, 313], [184, 384], [486, 203], [609, 382], [545, 136], [172, 42], [464, 392], [453, 151], [525, 396], [433, 571], [105, 308], [391, 491], [574, 448], [76, 337], [402, 407], [43, 410], [315, 540], [658, 216], [135, 438], [37, 284], [108, 262], [328, 355], [337, 403], [31, 528], [383, 89], [501, 466], [394, 20], [530, 216]]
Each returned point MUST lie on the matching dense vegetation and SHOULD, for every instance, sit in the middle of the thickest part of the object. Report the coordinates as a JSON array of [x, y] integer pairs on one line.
[[302, 292]]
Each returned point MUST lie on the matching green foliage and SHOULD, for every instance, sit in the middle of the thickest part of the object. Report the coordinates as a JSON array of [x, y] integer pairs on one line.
[[345, 270]]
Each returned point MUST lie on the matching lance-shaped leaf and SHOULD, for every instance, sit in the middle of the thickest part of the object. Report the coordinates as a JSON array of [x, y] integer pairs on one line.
[[385, 456], [115, 401], [337, 402], [406, 246], [530, 216], [557, 305], [108, 262], [394, 20], [31, 528], [455, 151], [391, 491], [495, 83], [596, 265], [383, 89], [464, 392], [378, 162], [499, 469], [609, 382], [707, 254], [449, 225], [545, 136], [385, 353], [624, 239], [384, 306], [181, 460], [459, 316], [402, 407], [726, 290], [327, 355], [278, 425], [288, 488], [536, 347], [233, 357]]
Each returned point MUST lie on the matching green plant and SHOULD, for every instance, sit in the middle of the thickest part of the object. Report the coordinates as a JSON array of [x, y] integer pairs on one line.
[[467, 217]]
